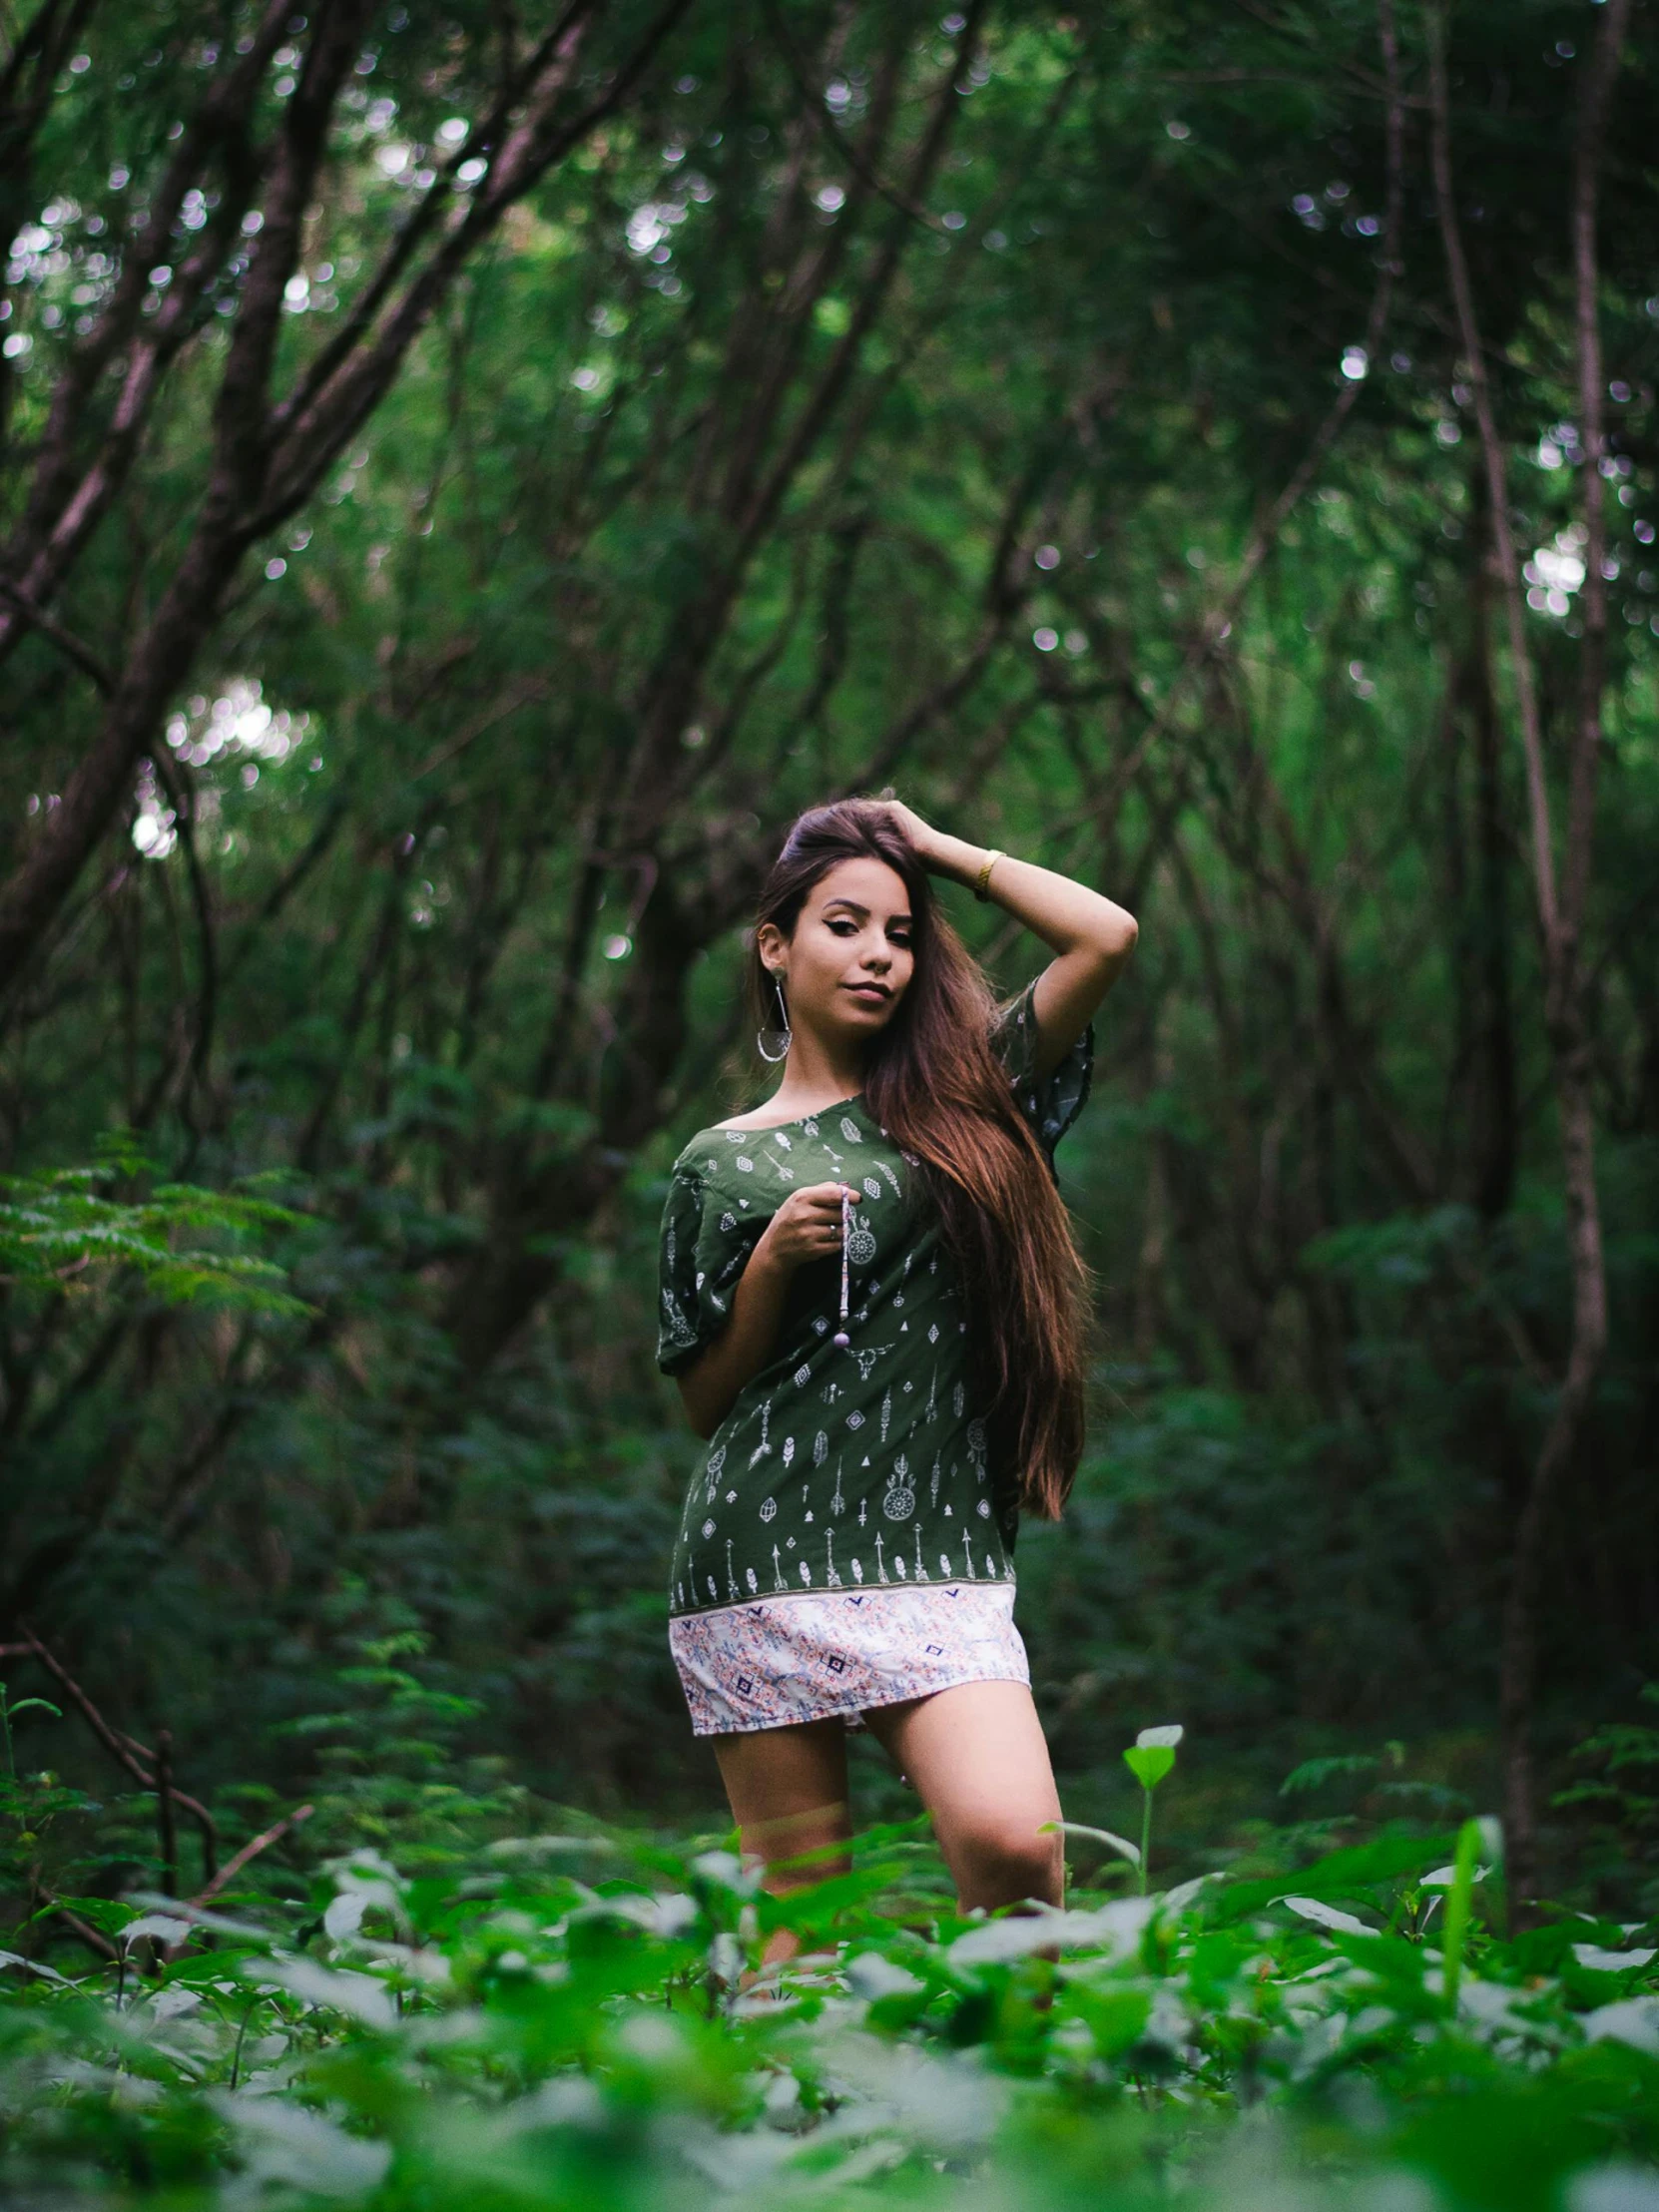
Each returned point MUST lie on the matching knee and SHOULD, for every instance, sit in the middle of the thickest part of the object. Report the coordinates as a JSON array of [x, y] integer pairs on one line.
[[795, 1850], [1004, 1863]]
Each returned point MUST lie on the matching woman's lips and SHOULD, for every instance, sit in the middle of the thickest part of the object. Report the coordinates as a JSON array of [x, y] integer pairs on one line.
[[872, 993]]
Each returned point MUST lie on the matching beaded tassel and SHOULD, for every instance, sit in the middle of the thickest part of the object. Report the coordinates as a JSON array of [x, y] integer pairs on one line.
[[842, 1339]]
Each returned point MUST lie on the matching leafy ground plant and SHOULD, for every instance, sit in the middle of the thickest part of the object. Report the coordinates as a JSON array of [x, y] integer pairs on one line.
[[579, 2019]]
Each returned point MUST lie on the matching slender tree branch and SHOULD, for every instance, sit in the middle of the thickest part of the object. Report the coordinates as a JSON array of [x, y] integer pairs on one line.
[[312, 439], [174, 781], [36, 618], [250, 483], [140, 1763], [62, 514], [84, 1932], [250, 1850], [814, 106], [360, 319], [1588, 152], [1218, 624]]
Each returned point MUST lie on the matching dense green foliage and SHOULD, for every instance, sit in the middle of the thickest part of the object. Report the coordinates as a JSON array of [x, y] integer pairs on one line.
[[568, 2015], [60, 1227], [1064, 420]]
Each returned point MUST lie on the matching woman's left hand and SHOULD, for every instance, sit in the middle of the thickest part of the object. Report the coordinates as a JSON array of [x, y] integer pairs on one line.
[[915, 828]]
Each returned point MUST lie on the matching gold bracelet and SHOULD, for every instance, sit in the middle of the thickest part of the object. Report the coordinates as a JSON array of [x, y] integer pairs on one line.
[[991, 858]]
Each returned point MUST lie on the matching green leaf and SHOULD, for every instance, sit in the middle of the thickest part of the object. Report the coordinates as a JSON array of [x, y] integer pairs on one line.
[[1149, 1763], [1120, 1843], [1313, 1774], [1327, 1915], [109, 1914]]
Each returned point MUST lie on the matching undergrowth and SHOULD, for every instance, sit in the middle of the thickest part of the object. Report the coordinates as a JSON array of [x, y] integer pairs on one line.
[[577, 2016]]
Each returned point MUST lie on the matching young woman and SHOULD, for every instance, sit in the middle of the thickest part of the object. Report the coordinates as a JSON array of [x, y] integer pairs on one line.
[[874, 1310]]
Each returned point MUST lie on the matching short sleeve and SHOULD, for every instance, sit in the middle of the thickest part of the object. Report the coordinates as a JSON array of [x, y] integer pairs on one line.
[[1050, 1103], [704, 1249]]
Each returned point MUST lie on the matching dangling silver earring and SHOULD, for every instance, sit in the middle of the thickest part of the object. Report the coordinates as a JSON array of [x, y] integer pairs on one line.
[[782, 1029]]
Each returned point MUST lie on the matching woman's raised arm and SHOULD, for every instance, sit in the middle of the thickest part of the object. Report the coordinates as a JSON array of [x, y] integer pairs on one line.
[[1092, 936]]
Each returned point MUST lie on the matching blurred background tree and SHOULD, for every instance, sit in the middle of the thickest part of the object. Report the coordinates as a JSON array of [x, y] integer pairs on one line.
[[471, 478]]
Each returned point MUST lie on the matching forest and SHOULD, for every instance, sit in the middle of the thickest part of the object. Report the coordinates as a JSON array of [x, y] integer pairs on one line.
[[473, 471]]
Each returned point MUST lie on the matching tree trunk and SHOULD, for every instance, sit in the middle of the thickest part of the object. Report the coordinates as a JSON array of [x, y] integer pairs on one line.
[[1562, 900], [1496, 1105]]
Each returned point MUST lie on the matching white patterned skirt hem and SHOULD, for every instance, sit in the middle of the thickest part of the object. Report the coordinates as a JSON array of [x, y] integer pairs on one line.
[[828, 1654]]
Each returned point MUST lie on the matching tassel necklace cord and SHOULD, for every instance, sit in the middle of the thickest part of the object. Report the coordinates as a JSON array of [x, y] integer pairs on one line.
[[842, 1339]]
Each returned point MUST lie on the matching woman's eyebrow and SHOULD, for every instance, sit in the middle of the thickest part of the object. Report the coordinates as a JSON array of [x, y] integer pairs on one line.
[[852, 908]]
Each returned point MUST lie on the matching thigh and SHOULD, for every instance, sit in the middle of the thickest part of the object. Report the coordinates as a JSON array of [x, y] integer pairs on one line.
[[979, 1761], [787, 1790]]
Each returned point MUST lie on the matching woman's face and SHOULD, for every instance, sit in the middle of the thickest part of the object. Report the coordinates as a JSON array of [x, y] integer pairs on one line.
[[849, 962]]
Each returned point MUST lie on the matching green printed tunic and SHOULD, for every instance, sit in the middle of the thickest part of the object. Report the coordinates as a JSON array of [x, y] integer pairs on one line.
[[842, 1469]]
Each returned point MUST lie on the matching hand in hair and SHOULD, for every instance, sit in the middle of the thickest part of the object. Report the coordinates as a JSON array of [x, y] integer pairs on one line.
[[906, 820]]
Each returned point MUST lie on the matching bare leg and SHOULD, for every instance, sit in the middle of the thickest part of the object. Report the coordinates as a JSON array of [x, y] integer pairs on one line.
[[978, 1759], [788, 1788]]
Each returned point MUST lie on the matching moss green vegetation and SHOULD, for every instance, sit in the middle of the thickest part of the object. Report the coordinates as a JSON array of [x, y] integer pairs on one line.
[[574, 2016]]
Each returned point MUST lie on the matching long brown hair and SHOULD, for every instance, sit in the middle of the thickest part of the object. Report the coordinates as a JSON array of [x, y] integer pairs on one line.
[[936, 1087]]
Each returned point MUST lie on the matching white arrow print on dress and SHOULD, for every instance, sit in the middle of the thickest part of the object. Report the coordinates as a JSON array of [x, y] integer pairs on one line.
[[763, 1450]]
